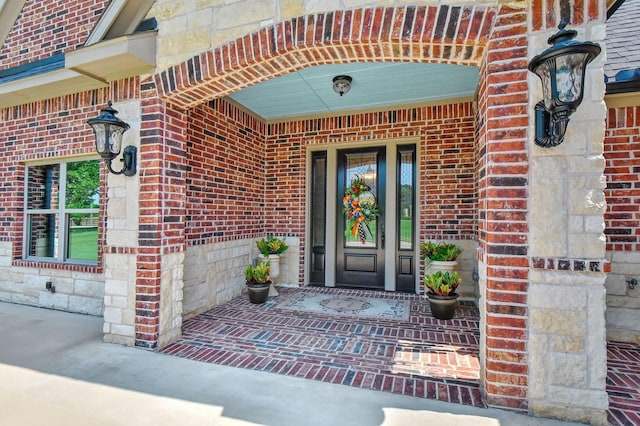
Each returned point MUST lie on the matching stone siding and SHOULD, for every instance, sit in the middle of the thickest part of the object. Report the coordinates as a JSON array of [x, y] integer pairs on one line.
[[623, 299], [122, 239], [567, 357], [566, 309], [119, 298], [75, 291], [214, 273], [171, 297]]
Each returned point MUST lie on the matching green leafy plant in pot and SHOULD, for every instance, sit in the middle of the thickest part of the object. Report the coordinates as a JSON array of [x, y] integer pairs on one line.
[[441, 290], [258, 280], [431, 251], [440, 256], [271, 248]]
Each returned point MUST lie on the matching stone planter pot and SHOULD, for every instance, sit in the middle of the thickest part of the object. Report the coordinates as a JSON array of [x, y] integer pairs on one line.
[[443, 307], [274, 262], [440, 265], [258, 292]]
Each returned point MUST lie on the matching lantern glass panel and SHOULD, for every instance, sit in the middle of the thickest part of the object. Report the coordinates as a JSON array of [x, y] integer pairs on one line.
[[115, 139], [569, 78], [544, 71], [98, 130]]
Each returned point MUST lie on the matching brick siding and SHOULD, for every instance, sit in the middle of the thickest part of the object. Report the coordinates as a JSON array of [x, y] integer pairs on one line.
[[226, 174], [46, 28], [44, 130], [622, 150], [502, 181], [450, 34]]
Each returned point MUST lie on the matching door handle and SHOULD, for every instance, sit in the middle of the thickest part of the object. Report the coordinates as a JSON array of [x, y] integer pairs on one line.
[[382, 235]]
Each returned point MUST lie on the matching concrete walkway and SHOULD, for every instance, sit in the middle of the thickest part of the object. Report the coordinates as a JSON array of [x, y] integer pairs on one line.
[[55, 370]]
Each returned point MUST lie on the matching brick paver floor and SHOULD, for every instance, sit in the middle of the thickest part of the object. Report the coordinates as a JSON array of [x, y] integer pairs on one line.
[[422, 356], [623, 383]]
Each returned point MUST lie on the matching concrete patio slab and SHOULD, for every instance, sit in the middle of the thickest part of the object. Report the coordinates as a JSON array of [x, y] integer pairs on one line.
[[56, 370]]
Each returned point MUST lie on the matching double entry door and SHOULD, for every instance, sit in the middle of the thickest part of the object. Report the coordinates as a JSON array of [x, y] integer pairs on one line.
[[362, 220]]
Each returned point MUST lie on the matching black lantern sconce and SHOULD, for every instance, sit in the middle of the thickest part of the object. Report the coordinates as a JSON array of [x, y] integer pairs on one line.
[[562, 69], [108, 130]]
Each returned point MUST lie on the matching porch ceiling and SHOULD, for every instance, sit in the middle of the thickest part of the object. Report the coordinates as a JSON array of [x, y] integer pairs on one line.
[[375, 86]]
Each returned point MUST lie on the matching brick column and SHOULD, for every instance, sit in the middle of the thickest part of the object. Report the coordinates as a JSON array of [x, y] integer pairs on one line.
[[503, 204], [161, 239]]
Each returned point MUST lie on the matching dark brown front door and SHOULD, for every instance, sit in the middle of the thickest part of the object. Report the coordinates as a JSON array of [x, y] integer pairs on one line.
[[360, 257]]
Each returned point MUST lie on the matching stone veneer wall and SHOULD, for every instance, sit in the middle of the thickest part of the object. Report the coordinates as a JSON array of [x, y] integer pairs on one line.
[[120, 260], [622, 150], [76, 291], [171, 298], [566, 294], [623, 300], [214, 273]]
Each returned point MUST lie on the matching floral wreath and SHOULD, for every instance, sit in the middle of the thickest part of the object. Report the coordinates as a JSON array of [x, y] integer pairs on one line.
[[360, 207]]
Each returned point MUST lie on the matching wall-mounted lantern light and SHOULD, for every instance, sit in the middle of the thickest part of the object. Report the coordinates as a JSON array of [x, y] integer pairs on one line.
[[562, 70], [108, 130]]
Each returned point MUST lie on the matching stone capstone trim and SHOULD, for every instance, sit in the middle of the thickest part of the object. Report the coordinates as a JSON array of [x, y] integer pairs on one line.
[[577, 265], [57, 266]]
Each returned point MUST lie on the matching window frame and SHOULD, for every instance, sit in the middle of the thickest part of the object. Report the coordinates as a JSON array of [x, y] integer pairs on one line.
[[61, 213]]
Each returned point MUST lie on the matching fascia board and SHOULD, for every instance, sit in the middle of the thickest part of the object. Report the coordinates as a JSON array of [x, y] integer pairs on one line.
[[44, 86]]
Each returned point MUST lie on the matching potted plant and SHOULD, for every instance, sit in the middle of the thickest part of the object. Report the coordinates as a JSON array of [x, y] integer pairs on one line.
[[258, 281], [270, 250], [440, 256], [440, 288]]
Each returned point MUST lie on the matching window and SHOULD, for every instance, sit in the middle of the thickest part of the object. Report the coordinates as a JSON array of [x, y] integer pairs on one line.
[[61, 215]]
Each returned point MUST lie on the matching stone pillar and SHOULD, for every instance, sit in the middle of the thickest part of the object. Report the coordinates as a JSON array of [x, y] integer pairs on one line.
[[567, 346], [119, 255]]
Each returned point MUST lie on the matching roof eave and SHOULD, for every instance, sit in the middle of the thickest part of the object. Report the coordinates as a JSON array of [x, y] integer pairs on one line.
[[88, 68]]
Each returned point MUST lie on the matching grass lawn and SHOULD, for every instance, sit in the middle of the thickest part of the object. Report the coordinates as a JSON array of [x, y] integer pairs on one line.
[[83, 243]]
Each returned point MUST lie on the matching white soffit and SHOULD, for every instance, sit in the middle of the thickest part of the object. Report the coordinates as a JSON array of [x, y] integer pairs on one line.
[[375, 86], [114, 59], [121, 17]]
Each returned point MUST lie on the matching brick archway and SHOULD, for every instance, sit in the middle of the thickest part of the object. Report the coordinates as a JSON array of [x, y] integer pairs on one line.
[[458, 35], [445, 34]]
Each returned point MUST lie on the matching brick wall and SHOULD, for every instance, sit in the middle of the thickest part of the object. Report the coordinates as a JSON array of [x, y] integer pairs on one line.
[[622, 220], [503, 205], [434, 33], [446, 172], [42, 131], [622, 150], [243, 182], [226, 174], [46, 28]]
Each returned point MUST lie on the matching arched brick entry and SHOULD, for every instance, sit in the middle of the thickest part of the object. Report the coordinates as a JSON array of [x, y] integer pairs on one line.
[[445, 34]]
